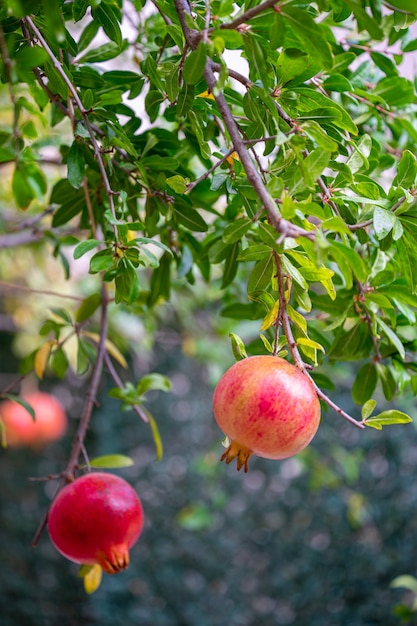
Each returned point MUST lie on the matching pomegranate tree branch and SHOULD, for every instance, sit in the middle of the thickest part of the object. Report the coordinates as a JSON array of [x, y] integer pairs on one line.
[[84, 113], [292, 345], [250, 13], [44, 292], [91, 396], [286, 228]]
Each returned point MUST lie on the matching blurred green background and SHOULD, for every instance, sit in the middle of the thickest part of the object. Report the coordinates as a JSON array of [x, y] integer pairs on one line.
[[313, 540]]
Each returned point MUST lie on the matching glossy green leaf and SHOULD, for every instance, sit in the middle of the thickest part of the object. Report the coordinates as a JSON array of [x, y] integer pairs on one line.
[[85, 246], [309, 34], [238, 347], [368, 409], [364, 383], [111, 461], [235, 231], [261, 275], [76, 164], [388, 418], [195, 63]]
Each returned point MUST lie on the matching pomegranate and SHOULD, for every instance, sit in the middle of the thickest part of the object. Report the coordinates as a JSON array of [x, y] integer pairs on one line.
[[96, 520], [267, 407], [21, 430]]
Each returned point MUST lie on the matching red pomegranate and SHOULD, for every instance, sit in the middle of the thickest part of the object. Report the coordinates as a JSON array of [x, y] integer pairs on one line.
[[267, 407], [21, 430], [96, 519]]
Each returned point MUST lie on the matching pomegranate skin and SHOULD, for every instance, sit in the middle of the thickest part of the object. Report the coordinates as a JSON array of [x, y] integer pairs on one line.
[[21, 430], [96, 519], [267, 407]]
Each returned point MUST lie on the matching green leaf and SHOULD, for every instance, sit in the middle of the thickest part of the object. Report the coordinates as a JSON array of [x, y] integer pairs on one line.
[[85, 246], [368, 408], [111, 461], [177, 183], [106, 52], [384, 222], [107, 17], [76, 164], [407, 170], [309, 33], [313, 130], [392, 337], [190, 218], [258, 66], [364, 383], [185, 100], [396, 91], [348, 344], [311, 99], [230, 265], [355, 262], [59, 363], [242, 311], [101, 261], [195, 63], [295, 66], [235, 230], [22, 403], [79, 9], [238, 347], [87, 307], [254, 252], [127, 285], [156, 434], [152, 382], [260, 277], [388, 418], [389, 385]]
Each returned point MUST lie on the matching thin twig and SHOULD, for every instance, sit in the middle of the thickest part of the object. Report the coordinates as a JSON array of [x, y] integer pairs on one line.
[[44, 292], [91, 393], [206, 174], [73, 91], [292, 345], [113, 373], [249, 14]]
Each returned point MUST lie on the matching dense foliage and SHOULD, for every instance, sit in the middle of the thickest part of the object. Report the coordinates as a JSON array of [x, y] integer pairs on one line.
[[174, 156]]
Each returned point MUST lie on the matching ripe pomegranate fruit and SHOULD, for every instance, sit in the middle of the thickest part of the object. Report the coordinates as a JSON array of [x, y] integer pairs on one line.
[[267, 407], [96, 519], [21, 430]]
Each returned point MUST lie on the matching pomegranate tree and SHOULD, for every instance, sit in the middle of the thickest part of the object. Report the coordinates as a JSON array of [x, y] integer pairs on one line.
[[96, 520], [266, 406], [49, 424]]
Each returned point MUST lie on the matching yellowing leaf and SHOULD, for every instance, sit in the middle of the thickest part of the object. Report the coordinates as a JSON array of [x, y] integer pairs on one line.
[[3, 440], [41, 358], [206, 94], [156, 434], [233, 157], [304, 341], [92, 579], [270, 317], [110, 347]]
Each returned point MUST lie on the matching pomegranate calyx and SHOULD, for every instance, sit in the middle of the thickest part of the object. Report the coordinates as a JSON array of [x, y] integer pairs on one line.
[[115, 561], [239, 452]]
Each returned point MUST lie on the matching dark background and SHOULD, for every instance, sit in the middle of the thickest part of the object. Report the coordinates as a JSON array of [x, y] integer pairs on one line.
[[313, 540]]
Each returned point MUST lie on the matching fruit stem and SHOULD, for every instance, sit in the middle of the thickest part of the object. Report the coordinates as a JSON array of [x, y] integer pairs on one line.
[[237, 451]]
